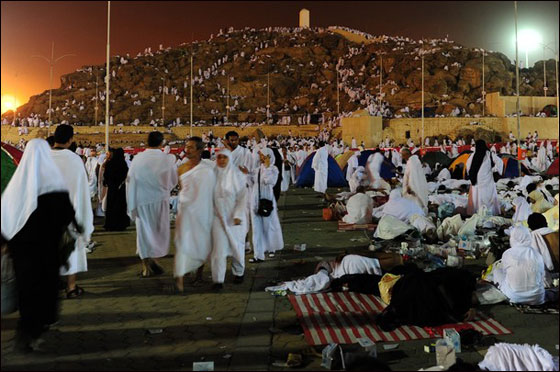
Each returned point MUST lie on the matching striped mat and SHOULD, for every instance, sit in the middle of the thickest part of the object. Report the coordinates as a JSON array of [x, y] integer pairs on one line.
[[343, 226], [344, 317]]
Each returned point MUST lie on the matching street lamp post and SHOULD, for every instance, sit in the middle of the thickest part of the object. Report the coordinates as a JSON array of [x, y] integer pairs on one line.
[[107, 77], [227, 100], [483, 91], [96, 96], [51, 62], [517, 85], [163, 103]]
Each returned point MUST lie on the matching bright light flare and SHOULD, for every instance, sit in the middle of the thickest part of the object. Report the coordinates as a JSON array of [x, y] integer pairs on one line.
[[9, 102], [528, 40]]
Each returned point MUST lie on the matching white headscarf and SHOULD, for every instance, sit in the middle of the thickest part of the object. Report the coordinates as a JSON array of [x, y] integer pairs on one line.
[[229, 180], [520, 237], [522, 210], [37, 174], [268, 152]]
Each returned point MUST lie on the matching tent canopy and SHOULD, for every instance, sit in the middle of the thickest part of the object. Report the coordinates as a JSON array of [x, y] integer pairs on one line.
[[11, 157], [553, 169], [307, 174], [436, 157], [458, 167]]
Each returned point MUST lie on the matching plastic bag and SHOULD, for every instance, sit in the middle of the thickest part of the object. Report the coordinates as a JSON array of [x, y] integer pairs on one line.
[[386, 285], [9, 289]]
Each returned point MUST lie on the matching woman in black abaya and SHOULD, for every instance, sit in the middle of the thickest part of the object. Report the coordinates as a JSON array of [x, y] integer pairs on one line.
[[116, 217]]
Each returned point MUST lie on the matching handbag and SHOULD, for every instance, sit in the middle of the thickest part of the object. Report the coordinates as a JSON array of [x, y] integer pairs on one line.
[[9, 288], [265, 205]]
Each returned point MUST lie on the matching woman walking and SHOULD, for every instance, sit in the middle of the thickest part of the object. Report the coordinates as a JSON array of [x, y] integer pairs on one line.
[[114, 177]]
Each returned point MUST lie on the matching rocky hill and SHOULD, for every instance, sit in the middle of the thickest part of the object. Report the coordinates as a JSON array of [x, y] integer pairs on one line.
[[301, 66]]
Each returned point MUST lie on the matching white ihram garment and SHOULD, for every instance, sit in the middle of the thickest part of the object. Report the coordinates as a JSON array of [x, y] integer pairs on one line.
[[74, 173], [320, 165], [484, 192], [193, 227], [520, 274], [360, 208], [151, 177], [352, 166], [230, 202], [415, 179], [91, 166], [267, 232]]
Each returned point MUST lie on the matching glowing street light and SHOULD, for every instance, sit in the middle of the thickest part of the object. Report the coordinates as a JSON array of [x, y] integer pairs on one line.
[[528, 40]]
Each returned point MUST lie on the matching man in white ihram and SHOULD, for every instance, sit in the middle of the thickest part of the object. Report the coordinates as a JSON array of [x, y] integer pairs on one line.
[[320, 165], [74, 173], [151, 177]]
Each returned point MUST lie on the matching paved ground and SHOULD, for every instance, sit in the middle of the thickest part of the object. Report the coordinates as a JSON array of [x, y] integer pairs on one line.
[[108, 328]]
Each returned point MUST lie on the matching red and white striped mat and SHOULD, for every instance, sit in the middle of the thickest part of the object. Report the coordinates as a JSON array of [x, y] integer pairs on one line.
[[344, 317]]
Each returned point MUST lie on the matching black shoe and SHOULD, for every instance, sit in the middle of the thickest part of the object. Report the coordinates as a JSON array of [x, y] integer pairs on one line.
[[217, 286], [238, 279], [156, 269]]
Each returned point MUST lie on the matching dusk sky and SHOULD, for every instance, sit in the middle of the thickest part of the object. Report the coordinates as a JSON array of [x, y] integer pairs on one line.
[[29, 28]]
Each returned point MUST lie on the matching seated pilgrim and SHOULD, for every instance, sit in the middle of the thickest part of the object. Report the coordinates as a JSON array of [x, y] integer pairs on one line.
[[520, 273], [551, 215], [359, 207], [545, 241]]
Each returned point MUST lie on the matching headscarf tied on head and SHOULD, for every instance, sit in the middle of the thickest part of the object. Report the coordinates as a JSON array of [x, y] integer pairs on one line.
[[520, 237], [268, 152], [36, 174], [229, 180], [479, 153]]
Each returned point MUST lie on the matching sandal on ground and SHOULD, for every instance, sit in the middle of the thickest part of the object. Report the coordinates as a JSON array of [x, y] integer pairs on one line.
[[255, 260], [76, 292], [271, 255], [149, 274]]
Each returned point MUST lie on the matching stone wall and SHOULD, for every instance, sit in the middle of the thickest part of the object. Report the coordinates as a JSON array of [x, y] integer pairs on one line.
[[363, 128], [396, 128], [529, 105], [369, 129]]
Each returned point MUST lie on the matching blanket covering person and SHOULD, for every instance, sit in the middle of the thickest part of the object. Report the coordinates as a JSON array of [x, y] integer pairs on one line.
[[483, 188], [230, 205], [36, 210], [151, 177], [430, 299], [515, 357]]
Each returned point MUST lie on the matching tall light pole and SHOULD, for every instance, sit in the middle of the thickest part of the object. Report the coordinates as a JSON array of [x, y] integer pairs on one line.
[[337, 93], [163, 103], [51, 62], [517, 87], [483, 91], [107, 78], [191, 90], [96, 96], [227, 100], [380, 79], [268, 97], [422, 103]]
